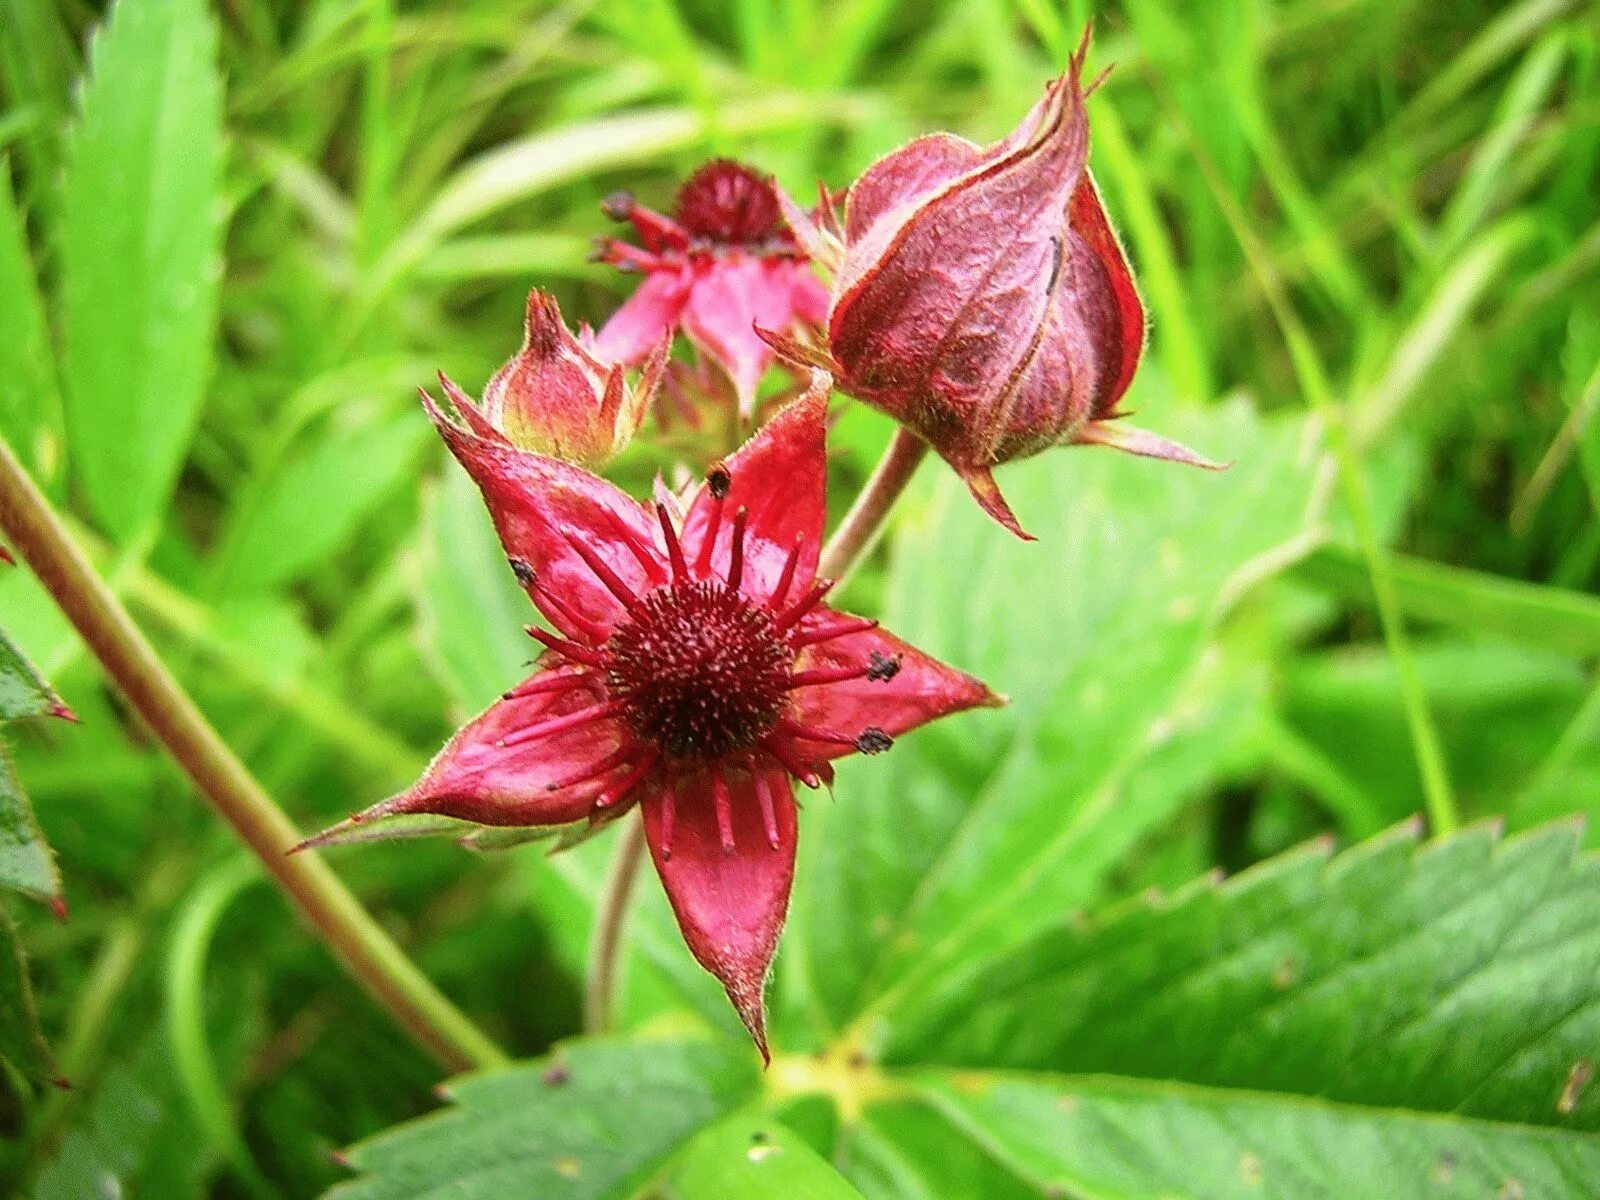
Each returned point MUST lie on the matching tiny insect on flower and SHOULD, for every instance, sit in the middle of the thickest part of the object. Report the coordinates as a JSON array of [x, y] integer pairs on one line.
[[722, 264], [555, 397], [981, 298], [692, 668]]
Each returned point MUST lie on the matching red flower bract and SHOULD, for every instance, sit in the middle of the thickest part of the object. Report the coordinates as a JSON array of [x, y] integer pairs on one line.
[[981, 298], [723, 264], [693, 669], [555, 397]]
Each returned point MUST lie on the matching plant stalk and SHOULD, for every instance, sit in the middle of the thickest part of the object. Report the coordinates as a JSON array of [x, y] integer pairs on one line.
[[337, 917], [611, 926], [864, 521]]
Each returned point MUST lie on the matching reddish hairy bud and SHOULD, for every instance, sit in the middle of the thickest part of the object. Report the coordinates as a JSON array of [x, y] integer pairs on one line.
[[556, 398], [981, 297]]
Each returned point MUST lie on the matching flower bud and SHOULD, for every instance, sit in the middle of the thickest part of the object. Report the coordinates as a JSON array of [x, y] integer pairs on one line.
[[554, 397], [981, 298]]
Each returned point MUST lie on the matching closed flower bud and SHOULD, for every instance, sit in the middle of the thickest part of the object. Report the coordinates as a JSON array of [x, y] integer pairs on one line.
[[556, 398], [981, 298]]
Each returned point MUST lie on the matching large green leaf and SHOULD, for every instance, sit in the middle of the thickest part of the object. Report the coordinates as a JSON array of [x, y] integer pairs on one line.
[[1461, 977], [29, 395], [23, 691], [1110, 1139], [750, 1155], [26, 863], [140, 242], [597, 1120], [22, 1042], [980, 829]]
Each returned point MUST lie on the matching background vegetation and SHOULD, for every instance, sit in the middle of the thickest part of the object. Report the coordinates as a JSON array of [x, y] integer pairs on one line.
[[234, 239]]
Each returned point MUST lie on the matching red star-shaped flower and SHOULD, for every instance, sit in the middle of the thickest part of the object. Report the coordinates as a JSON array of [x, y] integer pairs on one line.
[[722, 264], [694, 670]]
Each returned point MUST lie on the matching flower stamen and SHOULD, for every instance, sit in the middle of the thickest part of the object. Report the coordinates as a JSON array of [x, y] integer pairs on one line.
[[724, 810], [572, 720], [769, 816], [805, 604], [736, 551], [815, 637], [603, 572], [565, 647], [680, 569]]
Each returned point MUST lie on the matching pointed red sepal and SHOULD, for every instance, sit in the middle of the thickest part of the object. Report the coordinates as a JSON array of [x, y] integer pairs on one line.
[[1133, 440], [779, 477], [510, 765], [5, 557], [980, 482], [901, 689], [542, 506], [730, 905]]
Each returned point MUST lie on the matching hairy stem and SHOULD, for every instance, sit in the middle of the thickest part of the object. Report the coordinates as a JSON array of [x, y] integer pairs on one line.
[[610, 928], [338, 918], [864, 521]]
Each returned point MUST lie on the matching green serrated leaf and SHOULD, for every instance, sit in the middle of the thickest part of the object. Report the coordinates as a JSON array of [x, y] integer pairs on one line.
[[140, 245], [29, 395], [22, 1042], [982, 828], [1111, 1139], [23, 691], [1456, 977], [751, 1155], [598, 1120], [26, 862]]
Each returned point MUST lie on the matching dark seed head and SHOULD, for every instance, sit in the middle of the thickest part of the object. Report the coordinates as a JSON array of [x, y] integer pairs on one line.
[[729, 204], [700, 670]]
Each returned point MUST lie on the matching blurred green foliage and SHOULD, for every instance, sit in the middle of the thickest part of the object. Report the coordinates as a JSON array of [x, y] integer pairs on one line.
[[228, 259]]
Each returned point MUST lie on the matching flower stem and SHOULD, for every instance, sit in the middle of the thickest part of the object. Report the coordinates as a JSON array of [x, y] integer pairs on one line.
[[610, 928], [864, 521], [338, 918]]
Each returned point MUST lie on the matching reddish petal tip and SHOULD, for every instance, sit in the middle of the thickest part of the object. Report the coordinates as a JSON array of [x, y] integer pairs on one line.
[[58, 907], [63, 712], [5, 557], [980, 482]]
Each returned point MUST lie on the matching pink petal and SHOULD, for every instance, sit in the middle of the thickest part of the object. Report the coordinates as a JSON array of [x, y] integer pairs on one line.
[[476, 778], [779, 476], [808, 298], [728, 301], [922, 690], [644, 318], [541, 506], [730, 904]]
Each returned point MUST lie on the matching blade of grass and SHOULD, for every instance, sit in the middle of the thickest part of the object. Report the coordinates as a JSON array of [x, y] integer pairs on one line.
[[1528, 614], [1317, 391]]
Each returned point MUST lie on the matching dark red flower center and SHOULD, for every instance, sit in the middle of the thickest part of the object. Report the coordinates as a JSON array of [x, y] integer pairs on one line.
[[699, 670], [728, 203]]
